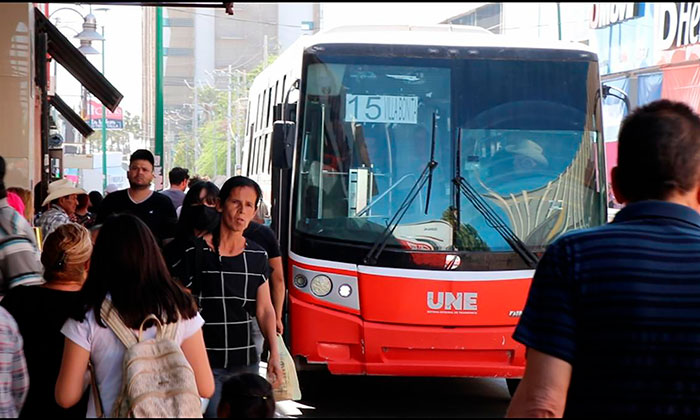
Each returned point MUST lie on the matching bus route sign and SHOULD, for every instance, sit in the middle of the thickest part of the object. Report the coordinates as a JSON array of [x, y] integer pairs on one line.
[[381, 109]]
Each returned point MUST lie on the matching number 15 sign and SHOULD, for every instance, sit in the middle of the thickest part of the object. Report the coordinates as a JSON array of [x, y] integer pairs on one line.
[[381, 109]]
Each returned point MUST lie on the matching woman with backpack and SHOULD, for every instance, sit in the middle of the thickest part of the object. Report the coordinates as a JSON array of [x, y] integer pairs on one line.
[[40, 312], [127, 272]]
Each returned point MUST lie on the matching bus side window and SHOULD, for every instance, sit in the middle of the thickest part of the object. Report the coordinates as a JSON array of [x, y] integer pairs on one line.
[[250, 148]]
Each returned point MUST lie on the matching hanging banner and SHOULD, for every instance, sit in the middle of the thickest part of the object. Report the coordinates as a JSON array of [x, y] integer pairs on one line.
[[114, 120]]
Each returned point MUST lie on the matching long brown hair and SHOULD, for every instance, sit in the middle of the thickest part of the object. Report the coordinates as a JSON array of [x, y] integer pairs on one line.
[[127, 264]]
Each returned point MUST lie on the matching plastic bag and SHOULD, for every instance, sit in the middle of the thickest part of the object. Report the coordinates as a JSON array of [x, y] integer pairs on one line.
[[289, 385]]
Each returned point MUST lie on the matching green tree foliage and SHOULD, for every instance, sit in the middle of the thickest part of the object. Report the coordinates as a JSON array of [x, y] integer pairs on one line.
[[213, 112], [466, 238], [118, 139]]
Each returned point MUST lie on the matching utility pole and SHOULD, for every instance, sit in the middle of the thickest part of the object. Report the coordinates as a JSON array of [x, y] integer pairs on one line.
[[240, 80], [215, 142], [264, 51], [104, 123], [228, 128], [559, 19], [159, 129], [195, 125]]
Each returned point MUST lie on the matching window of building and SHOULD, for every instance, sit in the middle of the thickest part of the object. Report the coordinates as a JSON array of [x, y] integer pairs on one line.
[[489, 17], [178, 22], [179, 52]]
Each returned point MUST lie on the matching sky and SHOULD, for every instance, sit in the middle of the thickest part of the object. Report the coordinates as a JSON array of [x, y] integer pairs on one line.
[[122, 25], [337, 14]]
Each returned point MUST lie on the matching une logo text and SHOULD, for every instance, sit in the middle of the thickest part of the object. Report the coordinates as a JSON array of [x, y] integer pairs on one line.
[[447, 301]]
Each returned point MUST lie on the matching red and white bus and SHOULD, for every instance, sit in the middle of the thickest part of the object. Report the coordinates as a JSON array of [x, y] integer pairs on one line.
[[415, 174]]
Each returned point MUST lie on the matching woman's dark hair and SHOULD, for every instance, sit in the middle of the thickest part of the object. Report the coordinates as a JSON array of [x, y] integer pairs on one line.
[[247, 395], [192, 196], [658, 151], [236, 182], [83, 201], [95, 200], [127, 263], [185, 224], [3, 191]]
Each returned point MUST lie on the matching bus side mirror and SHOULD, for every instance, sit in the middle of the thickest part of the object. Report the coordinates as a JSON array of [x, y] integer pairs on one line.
[[619, 94], [283, 133]]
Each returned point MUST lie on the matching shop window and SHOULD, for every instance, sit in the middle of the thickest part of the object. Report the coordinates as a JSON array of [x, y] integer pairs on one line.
[[649, 88]]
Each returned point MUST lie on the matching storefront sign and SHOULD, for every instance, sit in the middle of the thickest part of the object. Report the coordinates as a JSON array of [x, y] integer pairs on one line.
[[606, 14], [677, 24], [114, 120]]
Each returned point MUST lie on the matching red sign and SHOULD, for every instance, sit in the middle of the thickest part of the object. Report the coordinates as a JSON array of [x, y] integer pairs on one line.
[[113, 120], [95, 110]]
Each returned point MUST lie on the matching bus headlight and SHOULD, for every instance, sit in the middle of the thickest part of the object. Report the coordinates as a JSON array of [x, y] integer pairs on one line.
[[300, 281], [345, 290], [321, 285]]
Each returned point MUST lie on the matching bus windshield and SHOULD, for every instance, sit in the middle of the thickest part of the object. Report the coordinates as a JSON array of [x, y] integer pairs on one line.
[[522, 132]]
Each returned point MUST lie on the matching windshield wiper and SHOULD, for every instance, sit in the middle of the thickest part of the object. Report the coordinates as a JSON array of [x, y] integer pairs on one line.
[[493, 219], [432, 164], [425, 176]]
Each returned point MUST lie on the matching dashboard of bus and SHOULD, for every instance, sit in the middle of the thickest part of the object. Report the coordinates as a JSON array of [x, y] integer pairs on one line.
[[522, 130]]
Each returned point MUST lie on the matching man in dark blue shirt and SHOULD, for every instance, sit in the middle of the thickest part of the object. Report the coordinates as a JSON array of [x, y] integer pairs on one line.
[[612, 320]]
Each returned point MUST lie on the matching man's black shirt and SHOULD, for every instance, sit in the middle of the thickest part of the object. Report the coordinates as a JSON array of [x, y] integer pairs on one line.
[[156, 211], [265, 237]]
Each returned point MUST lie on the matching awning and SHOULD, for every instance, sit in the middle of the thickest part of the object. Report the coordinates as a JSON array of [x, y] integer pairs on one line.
[[64, 52], [70, 116]]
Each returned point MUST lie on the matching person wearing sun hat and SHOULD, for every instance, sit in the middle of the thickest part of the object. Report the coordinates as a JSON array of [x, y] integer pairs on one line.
[[63, 200]]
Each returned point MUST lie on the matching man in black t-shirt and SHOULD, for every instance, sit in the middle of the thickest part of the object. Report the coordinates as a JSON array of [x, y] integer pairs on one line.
[[156, 210], [265, 237]]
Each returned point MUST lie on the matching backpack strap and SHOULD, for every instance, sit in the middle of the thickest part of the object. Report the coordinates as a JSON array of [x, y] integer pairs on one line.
[[114, 321], [159, 326], [169, 331]]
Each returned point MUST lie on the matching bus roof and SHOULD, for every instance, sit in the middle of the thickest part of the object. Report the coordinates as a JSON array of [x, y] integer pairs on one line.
[[428, 35], [439, 34]]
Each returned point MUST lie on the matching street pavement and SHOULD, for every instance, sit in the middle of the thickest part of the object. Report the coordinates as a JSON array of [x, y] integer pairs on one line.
[[326, 395]]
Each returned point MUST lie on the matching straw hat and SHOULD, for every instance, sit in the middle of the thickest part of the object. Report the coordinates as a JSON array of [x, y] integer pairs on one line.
[[530, 149], [61, 188]]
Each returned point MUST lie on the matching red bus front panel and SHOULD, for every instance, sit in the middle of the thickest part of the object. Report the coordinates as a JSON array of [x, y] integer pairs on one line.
[[397, 331]]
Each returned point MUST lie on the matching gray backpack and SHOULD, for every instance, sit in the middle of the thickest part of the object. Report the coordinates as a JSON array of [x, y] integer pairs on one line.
[[157, 379]]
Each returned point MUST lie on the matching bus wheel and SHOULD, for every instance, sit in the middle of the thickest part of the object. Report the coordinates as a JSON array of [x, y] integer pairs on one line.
[[512, 385]]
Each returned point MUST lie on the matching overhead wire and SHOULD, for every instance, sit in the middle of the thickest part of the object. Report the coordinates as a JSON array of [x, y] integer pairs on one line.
[[236, 19]]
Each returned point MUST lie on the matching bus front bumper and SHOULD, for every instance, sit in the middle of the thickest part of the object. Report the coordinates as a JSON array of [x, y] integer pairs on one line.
[[349, 345]]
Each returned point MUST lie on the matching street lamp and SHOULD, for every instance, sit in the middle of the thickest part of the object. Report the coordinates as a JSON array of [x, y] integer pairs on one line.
[[89, 34]]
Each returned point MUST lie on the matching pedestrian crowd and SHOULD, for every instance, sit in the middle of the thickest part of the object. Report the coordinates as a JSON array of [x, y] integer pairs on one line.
[[187, 280], [138, 303]]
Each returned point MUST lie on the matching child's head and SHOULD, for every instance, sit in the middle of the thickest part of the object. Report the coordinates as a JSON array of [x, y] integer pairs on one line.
[[246, 395]]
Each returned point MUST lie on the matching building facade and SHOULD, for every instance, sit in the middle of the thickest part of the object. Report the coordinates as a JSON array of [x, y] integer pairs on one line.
[[200, 48], [648, 51]]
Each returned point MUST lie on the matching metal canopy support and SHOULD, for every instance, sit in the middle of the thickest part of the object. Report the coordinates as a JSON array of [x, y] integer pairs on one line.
[[70, 115], [64, 52]]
